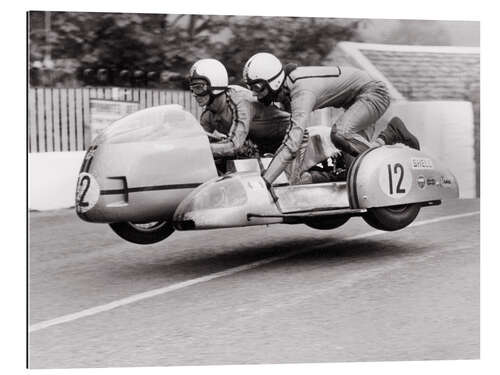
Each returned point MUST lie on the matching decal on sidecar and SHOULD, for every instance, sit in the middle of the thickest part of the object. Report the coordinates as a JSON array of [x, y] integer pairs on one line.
[[87, 192], [384, 176]]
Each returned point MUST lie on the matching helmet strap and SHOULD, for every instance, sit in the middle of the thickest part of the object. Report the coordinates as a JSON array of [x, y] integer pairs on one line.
[[270, 97], [213, 96]]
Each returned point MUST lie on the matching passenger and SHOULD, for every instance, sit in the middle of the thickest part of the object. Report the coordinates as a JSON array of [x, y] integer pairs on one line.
[[301, 90], [236, 123]]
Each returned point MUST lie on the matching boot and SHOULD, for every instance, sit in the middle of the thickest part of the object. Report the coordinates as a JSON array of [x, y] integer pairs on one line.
[[396, 132]]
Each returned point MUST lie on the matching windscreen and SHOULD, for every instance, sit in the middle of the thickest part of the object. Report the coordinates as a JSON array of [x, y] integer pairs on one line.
[[151, 124]]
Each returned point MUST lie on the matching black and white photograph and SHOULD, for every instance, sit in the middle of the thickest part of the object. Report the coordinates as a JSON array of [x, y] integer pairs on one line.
[[220, 189]]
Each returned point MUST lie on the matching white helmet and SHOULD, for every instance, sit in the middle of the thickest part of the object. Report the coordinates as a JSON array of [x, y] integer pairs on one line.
[[264, 68], [212, 72]]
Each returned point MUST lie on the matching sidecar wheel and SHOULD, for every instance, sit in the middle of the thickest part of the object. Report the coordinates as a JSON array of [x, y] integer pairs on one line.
[[143, 233], [327, 223], [392, 218]]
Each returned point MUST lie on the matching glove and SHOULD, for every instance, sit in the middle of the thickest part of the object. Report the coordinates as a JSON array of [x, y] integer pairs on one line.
[[216, 136]]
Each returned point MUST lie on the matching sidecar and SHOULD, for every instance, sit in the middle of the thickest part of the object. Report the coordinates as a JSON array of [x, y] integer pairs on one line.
[[152, 172], [387, 186]]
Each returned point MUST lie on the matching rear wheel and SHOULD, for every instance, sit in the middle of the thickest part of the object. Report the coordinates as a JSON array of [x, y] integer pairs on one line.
[[329, 222], [143, 233], [392, 218]]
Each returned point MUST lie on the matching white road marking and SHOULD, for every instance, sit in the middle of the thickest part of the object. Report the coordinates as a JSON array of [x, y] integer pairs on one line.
[[231, 271]]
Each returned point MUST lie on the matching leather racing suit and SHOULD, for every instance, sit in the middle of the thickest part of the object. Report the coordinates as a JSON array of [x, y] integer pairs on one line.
[[239, 115], [309, 88]]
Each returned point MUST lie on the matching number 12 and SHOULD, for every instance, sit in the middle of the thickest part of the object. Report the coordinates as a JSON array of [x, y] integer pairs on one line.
[[394, 171]]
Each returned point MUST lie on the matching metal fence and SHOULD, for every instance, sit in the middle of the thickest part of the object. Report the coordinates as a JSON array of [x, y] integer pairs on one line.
[[59, 118]]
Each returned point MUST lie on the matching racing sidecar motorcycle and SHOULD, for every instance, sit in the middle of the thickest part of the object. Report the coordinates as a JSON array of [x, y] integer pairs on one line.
[[152, 172]]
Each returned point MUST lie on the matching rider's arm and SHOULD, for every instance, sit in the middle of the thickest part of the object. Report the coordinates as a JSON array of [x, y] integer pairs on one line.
[[302, 104], [206, 123], [242, 115]]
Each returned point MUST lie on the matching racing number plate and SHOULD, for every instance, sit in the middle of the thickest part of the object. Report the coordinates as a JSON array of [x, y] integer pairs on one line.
[[87, 192], [395, 179]]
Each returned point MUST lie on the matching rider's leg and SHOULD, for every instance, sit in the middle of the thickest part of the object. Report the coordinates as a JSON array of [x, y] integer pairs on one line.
[[354, 130]]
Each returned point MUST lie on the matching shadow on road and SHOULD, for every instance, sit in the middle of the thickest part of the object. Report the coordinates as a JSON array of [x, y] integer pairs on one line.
[[296, 253]]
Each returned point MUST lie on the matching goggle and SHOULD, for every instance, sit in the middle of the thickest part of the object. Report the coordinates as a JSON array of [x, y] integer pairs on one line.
[[258, 86], [199, 89]]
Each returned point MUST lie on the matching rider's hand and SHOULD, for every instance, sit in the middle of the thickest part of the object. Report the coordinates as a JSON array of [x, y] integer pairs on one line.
[[219, 135], [216, 136]]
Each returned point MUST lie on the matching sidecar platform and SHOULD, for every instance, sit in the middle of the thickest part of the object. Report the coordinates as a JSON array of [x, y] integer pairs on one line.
[[317, 197]]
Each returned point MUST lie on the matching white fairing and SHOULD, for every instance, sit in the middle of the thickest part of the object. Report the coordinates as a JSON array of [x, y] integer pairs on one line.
[[396, 175], [225, 202], [143, 165]]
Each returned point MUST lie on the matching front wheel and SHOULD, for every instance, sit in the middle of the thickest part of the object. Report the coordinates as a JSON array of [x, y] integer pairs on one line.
[[392, 218], [143, 233], [326, 223]]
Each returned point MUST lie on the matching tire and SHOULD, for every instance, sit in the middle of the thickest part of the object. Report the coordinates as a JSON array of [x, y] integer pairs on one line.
[[326, 223], [143, 233], [392, 218]]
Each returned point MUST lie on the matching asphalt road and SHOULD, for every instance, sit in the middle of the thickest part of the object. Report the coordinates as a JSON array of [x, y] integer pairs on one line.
[[257, 295]]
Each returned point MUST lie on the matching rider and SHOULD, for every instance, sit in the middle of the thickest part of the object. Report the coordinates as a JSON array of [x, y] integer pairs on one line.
[[300, 90], [234, 120]]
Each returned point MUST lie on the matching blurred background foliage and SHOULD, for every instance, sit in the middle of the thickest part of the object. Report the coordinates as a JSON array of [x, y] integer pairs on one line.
[[73, 49]]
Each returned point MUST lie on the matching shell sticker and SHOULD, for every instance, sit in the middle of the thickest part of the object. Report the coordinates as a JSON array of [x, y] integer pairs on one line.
[[395, 180], [421, 163], [87, 192]]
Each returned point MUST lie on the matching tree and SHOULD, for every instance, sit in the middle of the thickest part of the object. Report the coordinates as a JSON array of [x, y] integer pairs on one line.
[[306, 41], [116, 41], [172, 43]]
